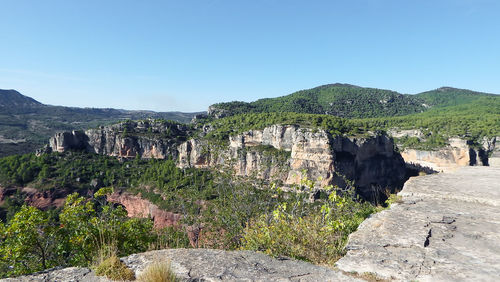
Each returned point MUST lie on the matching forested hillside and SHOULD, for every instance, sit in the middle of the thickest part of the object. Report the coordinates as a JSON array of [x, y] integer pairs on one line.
[[472, 121], [440, 113], [449, 96], [341, 100]]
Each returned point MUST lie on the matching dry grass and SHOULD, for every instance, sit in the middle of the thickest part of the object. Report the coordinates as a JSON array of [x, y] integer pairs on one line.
[[114, 269], [158, 271]]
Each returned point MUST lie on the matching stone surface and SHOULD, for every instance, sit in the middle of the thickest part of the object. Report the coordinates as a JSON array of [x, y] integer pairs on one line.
[[446, 229], [218, 265], [206, 265], [73, 274]]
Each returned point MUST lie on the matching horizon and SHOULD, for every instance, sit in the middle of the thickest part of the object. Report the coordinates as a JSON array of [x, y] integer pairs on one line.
[[167, 56], [197, 111]]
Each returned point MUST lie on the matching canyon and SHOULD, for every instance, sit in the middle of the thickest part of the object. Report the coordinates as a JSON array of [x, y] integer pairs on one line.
[[284, 153], [444, 227]]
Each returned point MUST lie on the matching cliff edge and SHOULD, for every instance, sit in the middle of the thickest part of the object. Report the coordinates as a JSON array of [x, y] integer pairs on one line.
[[446, 228]]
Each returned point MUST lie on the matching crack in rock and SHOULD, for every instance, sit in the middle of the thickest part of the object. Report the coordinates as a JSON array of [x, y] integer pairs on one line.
[[427, 239]]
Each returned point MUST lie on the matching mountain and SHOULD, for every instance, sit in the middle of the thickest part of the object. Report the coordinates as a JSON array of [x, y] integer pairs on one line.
[[343, 100], [26, 124], [10, 99], [449, 96]]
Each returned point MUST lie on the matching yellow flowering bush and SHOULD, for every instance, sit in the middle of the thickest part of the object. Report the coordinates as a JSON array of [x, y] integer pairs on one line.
[[316, 233]]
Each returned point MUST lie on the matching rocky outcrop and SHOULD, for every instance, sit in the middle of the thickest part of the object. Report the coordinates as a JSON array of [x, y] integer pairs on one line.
[[73, 274], [148, 139], [458, 153], [216, 112], [446, 228], [143, 208], [286, 152], [207, 265], [138, 207], [282, 153], [218, 265], [74, 140], [42, 199]]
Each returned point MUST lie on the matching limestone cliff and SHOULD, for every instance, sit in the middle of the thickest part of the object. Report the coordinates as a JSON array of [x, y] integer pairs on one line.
[[458, 153], [285, 152], [274, 153], [148, 139], [445, 227]]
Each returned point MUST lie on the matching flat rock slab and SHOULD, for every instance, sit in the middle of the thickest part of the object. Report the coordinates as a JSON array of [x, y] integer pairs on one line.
[[73, 274], [446, 229], [218, 265], [205, 265]]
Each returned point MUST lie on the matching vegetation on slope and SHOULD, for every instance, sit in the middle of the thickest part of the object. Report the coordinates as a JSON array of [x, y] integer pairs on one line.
[[440, 114], [222, 128], [334, 99], [34, 240], [472, 121], [449, 96], [226, 208]]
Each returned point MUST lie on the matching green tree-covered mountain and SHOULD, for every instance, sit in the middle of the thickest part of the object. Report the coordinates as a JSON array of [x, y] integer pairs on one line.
[[26, 124], [441, 113], [449, 96], [350, 101], [341, 100]]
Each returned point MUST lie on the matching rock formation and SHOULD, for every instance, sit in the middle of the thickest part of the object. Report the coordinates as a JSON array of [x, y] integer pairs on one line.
[[207, 265], [274, 153], [446, 228], [285, 152], [148, 139], [458, 153], [142, 208]]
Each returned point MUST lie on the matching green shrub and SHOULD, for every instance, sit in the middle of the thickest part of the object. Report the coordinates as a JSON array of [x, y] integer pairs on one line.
[[317, 234], [394, 198]]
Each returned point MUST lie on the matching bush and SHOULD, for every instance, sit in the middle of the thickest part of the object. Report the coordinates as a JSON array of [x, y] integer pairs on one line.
[[317, 234], [35, 240]]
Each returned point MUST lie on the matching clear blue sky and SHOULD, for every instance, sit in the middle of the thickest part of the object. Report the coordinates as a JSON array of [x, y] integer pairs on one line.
[[185, 55]]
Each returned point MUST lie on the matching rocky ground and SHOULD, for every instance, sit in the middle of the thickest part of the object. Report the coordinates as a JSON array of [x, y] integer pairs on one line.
[[208, 265], [447, 228]]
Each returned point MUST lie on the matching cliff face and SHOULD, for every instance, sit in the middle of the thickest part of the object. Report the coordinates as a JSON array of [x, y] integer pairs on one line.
[[457, 154], [148, 139], [138, 207], [286, 152]]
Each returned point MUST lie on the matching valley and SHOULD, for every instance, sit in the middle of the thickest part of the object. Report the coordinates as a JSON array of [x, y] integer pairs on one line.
[[280, 176]]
